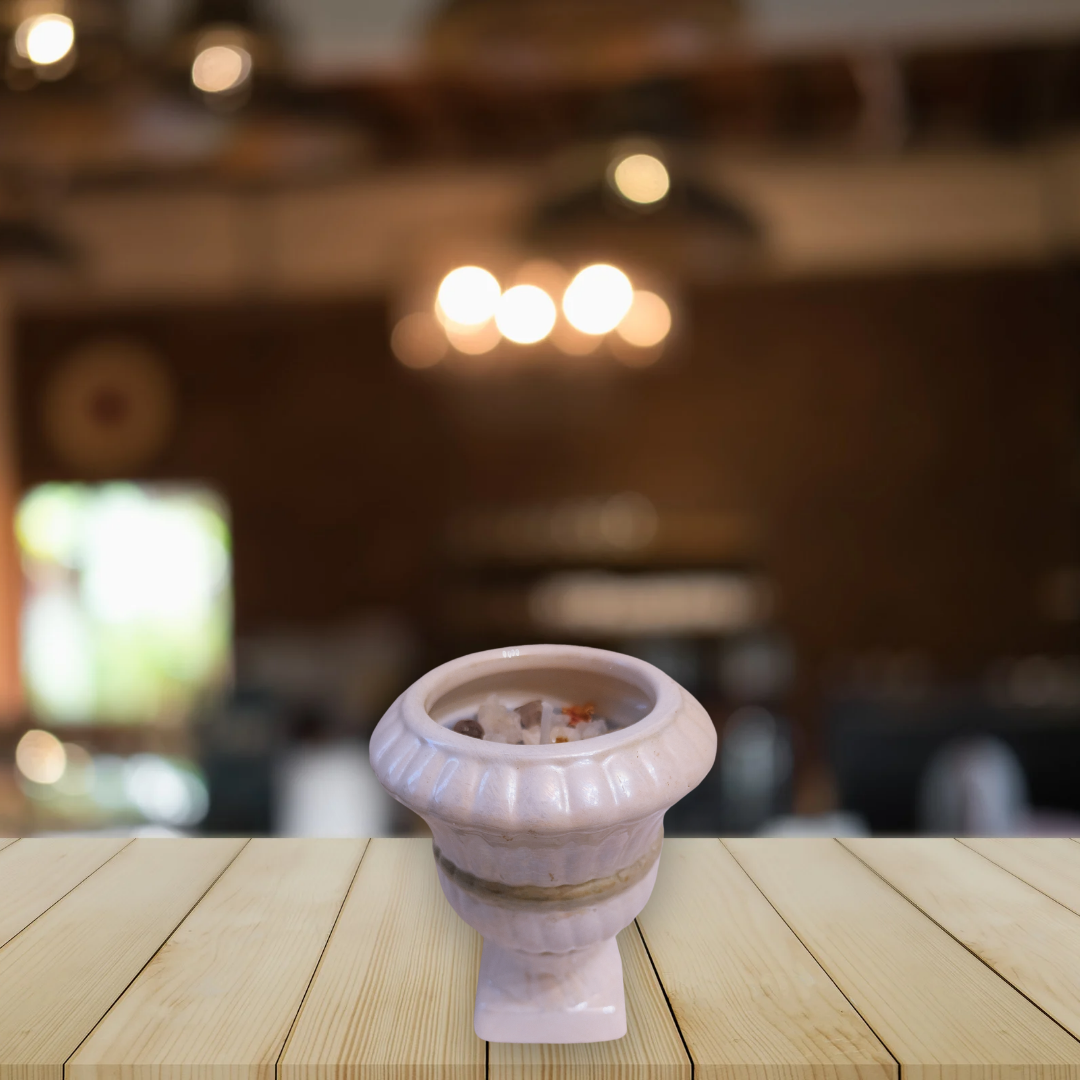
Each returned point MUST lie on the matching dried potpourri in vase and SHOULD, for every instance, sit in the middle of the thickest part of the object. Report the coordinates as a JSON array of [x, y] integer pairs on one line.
[[535, 723]]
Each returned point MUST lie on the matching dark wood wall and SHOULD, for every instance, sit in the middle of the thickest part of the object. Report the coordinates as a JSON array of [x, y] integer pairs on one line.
[[907, 446]]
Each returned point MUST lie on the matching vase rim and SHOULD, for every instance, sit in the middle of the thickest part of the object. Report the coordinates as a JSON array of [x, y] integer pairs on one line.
[[524, 791], [664, 692]]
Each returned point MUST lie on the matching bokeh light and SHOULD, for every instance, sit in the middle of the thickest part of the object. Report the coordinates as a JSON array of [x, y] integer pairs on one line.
[[641, 179], [165, 791], [598, 603], [78, 776], [150, 562], [474, 340], [525, 314], [418, 340], [58, 656], [598, 299], [40, 757], [647, 322], [573, 342], [219, 68], [467, 297], [548, 274], [45, 39], [47, 524]]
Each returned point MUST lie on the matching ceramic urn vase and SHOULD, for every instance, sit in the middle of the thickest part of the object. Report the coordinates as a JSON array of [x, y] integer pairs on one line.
[[547, 850]]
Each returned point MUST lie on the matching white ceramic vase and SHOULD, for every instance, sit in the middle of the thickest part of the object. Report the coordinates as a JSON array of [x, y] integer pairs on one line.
[[548, 851]]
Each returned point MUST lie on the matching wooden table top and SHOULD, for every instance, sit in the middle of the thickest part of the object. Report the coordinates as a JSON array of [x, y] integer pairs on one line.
[[754, 960]]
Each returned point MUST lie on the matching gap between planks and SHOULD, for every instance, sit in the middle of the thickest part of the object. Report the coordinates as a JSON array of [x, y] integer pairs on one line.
[[227, 984], [652, 1048], [60, 976], [899, 1072], [243, 843], [1051, 1068], [1049, 864], [44, 872], [354, 1016], [1024, 936], [90, 1053], [394, 991], [751, 1001], [322, 954], [941, 1011], [667, 999]]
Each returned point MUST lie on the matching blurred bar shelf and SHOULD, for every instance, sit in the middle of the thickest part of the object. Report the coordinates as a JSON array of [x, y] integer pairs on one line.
[[754, 960]]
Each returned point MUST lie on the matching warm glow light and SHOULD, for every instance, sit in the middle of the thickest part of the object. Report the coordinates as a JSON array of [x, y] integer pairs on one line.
[[40, 757], [525, 314], [467, 296], [418, 340], [598, 604], [474, 340], [573, 342], [549, 275], [218, 68], [647, 322], [45, 39], [598, 299], [641, 178], [634, 356]]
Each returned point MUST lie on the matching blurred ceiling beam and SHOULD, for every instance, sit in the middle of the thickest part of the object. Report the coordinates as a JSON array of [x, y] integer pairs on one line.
[[336, 39], [995, 95], [822, 214], [135, 131]]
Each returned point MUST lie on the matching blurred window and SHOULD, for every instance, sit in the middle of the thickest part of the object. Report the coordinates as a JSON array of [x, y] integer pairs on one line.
[[127, 611]]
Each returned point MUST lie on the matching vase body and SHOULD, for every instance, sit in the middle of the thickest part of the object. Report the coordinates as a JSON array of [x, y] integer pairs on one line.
[[548, 851]]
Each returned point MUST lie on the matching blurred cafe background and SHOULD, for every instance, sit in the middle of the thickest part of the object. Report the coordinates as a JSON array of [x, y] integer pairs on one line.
[[342, 337]]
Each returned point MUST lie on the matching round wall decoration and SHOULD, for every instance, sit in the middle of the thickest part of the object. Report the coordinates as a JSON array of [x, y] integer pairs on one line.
[[109, 408]]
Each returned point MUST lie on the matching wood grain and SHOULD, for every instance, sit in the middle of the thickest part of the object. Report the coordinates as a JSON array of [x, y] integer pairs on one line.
[[393, 995], [63, 972], [650, 1050], [219, 998], [1052, 864], [940, 1011], [1027, 938], [750, 1000], [183, 960], [34, 874]]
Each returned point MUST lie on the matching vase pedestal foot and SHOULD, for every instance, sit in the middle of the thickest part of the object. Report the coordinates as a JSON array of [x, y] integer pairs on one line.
[[550, 997]]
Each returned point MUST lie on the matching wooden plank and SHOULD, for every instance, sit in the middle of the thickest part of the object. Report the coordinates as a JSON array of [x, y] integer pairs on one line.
[[1027, 938], [393, 995], [34, 874], [1051, 864], [62, 973], [751, 1002], [218, 1000], [940, 1011], [650, 1050]]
